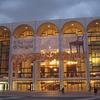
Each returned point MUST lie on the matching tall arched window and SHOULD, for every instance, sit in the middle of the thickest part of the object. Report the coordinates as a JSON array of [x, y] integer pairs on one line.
[[4, 51], [72, 44], [93, 30], [24, 34], [47, 33], [47, 29], [23, 31]]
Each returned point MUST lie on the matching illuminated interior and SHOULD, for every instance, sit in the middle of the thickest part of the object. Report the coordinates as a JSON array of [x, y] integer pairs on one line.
[[72, 27], [23, 31], [94, 47], [3, 85], [49, 85], [95, 83], [73, 66], [75, 85], [52, 63], [4, 51], [22, 86], [22, 68], [74, 69], [49, 69], [47, 29]]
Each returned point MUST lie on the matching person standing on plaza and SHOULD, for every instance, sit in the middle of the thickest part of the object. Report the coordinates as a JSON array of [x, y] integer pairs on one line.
[[62, 90], [95, 90]]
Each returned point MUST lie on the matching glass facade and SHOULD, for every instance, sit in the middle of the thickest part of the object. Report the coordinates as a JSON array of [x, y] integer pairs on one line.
[[4, 57], [4, 51], [46, 56], [75, 86], [22, 86]]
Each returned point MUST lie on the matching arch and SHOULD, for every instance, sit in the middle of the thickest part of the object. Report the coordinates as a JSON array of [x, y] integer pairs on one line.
[[47, 29], [23, 31], [94, 26], [72, 27]]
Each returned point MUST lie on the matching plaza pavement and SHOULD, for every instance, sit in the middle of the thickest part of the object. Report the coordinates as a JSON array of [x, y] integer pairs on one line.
[[12, 95], [48, 98]]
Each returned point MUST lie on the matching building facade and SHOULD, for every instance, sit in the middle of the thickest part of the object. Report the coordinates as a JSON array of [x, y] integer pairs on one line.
[[50, 54]]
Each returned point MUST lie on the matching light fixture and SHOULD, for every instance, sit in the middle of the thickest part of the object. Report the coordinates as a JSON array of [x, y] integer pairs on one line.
[[49, 47], [5, 29], [26, 27], [97, 23], [19, 71], [94, 73], [48, 81], [48, 26], [72, 62], [72, 24], [32, 64], [68, 51], [54, 62], [3, 82], [92, 81], [1, 87], [43, 51], [51, 66], [55, 69], [42, 63]]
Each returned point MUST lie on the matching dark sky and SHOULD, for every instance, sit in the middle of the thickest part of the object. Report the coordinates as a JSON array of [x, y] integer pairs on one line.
[[27, 10]]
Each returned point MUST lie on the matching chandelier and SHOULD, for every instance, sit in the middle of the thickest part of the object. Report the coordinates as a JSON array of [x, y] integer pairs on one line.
[[48, 53]]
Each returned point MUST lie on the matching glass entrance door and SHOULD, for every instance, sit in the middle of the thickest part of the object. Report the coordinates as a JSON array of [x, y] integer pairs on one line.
[[50, 86], [74, 86], [3, 86], [24, 86]]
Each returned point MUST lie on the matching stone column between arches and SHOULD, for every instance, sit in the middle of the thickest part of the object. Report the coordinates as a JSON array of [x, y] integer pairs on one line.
[[61, 71]]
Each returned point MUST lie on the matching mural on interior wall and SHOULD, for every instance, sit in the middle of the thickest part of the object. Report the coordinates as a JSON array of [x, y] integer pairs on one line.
[[22, 46], [46, 43]]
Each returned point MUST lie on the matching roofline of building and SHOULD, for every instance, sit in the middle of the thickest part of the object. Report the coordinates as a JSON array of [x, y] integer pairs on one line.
[[44, 20]]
